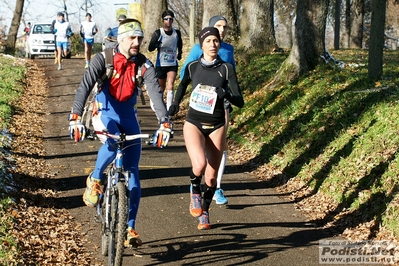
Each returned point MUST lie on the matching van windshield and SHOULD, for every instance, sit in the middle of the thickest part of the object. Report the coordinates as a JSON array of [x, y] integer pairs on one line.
[[42, 29]]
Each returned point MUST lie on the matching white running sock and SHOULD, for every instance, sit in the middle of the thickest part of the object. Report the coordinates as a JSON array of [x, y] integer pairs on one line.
[[169, 98], [221, 169]]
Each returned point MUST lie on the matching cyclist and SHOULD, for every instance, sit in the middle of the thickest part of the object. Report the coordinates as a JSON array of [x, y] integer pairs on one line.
[[226, 53], [115, 111], [204, 131]]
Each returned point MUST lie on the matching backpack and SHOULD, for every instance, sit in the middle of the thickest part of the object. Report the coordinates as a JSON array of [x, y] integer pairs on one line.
[[108, 54]]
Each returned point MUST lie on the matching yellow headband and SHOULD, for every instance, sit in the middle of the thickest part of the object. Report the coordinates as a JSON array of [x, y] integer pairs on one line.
[[130, 29]]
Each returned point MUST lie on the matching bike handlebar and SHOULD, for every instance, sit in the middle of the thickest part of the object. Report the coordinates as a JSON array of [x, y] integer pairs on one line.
[[126, 137]]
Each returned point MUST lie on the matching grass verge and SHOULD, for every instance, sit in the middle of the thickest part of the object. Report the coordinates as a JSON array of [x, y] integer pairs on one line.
[[12, 74], [334, 133]]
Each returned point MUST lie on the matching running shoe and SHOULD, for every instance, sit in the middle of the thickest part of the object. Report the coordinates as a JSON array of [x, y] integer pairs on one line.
[[55, 60], [92, 191], [195, 204], [132, 238], [59, 67], [87, 65], [204, 223], [219, 197]]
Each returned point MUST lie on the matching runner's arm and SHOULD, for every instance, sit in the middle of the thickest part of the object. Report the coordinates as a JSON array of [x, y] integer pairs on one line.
[[95, 29], [154, 40], [92, 74], [179, 45], [154, 91], [181, 89], [234, 95], [81, 33]]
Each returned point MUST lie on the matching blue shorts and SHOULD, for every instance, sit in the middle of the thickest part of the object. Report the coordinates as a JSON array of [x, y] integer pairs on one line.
[[63, 45], [89, 41]]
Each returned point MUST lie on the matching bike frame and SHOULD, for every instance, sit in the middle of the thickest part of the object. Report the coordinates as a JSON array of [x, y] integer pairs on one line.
[[110, 218], [117, 163]]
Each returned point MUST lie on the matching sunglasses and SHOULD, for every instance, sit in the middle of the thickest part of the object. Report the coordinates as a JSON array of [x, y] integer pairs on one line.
[[171, 19]]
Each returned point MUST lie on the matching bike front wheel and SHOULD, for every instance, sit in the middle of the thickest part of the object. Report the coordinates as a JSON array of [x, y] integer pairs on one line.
[[117, 235], [105, 222]]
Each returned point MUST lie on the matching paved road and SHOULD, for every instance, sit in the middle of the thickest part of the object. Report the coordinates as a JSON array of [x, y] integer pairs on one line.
[[257, 227]]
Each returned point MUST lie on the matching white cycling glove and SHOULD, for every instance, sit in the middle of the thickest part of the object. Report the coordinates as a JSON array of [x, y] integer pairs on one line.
[[162, 135], [77, 130]]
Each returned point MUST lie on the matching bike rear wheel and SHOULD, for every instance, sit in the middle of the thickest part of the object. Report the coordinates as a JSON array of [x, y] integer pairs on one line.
[[117, 235]]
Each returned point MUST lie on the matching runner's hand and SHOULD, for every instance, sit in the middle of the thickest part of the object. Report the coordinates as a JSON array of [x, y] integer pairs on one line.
[[162, 135], [221, 93], [173, 109], [77, 130]]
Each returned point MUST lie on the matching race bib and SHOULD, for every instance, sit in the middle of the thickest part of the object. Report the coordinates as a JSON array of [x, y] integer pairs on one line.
[[169, 56], [203, 99]]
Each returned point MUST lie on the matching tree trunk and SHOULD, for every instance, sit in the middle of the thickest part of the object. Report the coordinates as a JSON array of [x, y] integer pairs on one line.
[[309, 40], [289, 30], [192, 23], [152, 12], [377, 32], [347, 23], [224, 8], [356, 28], [392, 23], [337, 24], [16, 20], [284, 22], [257, 26]]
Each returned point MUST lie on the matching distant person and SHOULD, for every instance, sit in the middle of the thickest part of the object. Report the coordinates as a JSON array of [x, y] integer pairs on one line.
[[114, 31], [106, 43], [55, 42], [88, 29], [204, 131], [226, 52], [63, 31], [167, 40], [111, 37], [26, 32]]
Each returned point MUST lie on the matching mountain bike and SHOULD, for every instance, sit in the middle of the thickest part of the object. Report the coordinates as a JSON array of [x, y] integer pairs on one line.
[[113, 204]]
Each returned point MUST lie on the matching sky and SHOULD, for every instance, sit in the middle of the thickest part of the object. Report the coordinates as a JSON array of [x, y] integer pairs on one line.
[[103, 13]]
